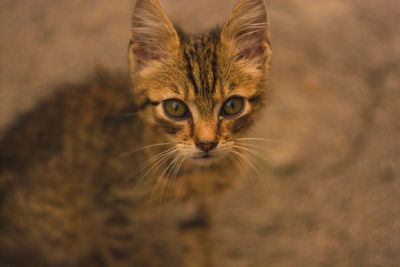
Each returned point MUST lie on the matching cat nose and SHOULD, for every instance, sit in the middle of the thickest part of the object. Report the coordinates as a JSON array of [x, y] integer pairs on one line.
[[206, 146]]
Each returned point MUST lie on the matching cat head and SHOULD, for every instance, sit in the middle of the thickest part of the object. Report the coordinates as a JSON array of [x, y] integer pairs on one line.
[[203, 92]]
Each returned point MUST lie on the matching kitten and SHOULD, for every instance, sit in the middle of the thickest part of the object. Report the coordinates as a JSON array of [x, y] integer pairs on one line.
[[81, 175]]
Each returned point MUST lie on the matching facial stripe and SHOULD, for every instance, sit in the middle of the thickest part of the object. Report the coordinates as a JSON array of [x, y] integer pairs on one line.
[[189, 69], [256, 99], [191, 127], [146, 103], [167, 125], [242, 123], [201, 58], [203, 68], [214, 68]]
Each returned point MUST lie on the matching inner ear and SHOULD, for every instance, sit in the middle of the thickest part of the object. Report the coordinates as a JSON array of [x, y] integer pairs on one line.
[[246, 33], [153, 36]]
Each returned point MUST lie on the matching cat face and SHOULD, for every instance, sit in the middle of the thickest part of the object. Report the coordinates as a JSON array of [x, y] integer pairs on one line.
[[200, 92]]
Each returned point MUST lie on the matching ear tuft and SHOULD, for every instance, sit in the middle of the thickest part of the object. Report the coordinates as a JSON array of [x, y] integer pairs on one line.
[[152, 34], [247, 30]]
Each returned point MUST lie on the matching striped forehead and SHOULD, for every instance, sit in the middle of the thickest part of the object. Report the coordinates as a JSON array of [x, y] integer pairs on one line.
[[201, 59]]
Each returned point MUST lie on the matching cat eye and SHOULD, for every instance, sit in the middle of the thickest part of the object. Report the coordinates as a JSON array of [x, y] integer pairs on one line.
[[233, 106], [175, 109]]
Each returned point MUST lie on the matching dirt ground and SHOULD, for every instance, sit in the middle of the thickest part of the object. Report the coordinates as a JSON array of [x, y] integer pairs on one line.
[[328, 194]]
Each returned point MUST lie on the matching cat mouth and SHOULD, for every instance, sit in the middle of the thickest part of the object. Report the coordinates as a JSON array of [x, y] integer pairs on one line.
[[204, 156]]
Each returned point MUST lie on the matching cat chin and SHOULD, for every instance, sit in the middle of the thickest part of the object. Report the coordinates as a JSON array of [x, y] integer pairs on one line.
[[205, 160]]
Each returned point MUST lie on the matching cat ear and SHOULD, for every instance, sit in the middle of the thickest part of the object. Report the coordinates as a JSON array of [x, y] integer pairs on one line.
[[247, 32], [152, 34]]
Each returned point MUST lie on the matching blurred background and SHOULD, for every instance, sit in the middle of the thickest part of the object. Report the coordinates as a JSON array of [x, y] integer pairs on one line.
[[327, 194]]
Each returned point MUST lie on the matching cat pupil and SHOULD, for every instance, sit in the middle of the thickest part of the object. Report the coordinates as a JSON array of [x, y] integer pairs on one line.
[[233, 106], [175, 109]]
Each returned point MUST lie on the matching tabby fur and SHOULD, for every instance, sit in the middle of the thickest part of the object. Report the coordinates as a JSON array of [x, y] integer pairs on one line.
[[76, 189]]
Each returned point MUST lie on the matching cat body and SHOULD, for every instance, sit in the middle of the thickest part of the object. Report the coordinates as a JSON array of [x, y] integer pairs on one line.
[[118, 171]]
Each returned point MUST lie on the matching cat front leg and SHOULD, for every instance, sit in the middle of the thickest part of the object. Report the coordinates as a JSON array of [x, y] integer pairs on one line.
[[196, 239]]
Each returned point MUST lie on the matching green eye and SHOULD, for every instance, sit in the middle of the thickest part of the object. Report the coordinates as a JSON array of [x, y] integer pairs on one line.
[[175, 109], [232, 106]]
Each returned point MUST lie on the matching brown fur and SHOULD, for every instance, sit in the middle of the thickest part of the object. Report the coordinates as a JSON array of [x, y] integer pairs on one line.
[[67, 195]]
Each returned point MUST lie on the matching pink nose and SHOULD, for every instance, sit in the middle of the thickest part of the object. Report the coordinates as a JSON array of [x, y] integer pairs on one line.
[[206, 146]]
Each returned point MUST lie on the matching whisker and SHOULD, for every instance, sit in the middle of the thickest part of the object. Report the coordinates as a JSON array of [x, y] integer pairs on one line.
[[169, 172], [252, 166], [235, 160], [261, 139], [179, 166], [257, 154], [247, 159], [153, 168], [246, 149], [175, 174], [159, 158], [248, 144], [160, 178], [176, 159], [238, 158], [141, 148], [258, 150]]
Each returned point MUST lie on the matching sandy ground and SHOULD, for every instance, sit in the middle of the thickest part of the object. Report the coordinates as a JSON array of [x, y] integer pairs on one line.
[[329, 193]]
